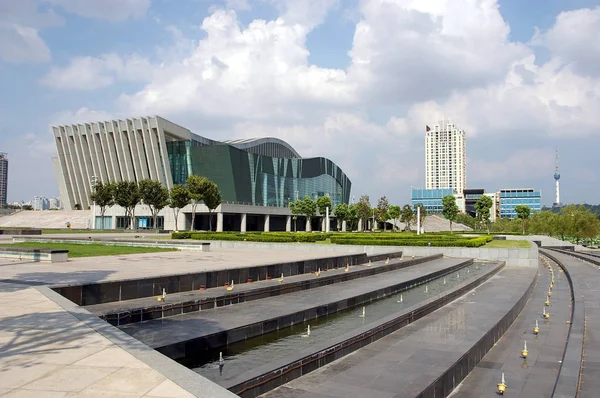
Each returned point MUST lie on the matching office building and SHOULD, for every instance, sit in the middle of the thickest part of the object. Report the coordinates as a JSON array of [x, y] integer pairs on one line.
[[258, 178], [431, 199], [510, 198], [40, 203], [3, 178], [445, 157]]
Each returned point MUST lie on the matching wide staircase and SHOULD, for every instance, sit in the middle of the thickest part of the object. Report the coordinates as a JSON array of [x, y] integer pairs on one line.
[[47, 219]]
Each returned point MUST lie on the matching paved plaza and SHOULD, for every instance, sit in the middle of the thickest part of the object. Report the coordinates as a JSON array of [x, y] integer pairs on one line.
[[46, 351]]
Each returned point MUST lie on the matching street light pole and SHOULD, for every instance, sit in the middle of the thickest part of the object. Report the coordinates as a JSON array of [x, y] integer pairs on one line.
[[94, 182]]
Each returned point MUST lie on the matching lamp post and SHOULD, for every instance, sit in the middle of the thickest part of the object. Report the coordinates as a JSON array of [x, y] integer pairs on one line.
[[373, 225], [94, 181]]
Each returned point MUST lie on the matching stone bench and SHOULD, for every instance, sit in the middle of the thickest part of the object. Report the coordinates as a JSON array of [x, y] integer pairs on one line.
[[20, 231], [21, 253]]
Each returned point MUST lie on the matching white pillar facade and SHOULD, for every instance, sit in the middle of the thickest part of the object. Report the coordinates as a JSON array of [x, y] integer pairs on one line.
[[344, 226], [267, 222], [288, 223], [308, 227], [219, 222], [243, 223], [360, 224]]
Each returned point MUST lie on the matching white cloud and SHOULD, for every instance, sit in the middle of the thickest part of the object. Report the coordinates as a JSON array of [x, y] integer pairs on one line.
[[575, 40], [406, 51], [22, 20], [421, 59], [81, 115], [90, 73], [260, 72], [22, 44], [111, 10]]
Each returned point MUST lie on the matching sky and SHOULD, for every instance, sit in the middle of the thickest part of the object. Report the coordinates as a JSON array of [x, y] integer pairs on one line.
[[355, 81]]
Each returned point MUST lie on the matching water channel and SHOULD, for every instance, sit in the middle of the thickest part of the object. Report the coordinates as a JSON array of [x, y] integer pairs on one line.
[[246, 355]]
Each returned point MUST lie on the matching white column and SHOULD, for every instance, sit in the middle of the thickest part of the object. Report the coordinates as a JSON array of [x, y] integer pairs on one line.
[[360, 225], [327, 219], [243, 223], [308, 227], [288, 223], [267, 222], [344, 226], [219, 222], [419, 220]]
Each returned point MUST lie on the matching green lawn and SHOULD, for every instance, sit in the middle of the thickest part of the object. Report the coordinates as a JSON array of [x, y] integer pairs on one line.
[[83, 231], [507, 244], [91, 250]]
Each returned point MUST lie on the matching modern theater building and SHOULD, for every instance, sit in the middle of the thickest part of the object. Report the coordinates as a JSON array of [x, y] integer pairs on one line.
[[258, 178]]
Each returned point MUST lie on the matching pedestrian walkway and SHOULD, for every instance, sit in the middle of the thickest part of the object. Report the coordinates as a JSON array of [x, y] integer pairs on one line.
[[536, 375], [411, 360], [45, 351]]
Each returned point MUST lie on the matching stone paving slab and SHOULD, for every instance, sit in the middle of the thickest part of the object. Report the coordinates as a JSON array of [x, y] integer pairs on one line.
[[180, 328], [406, 362], [134, 266], [45, 351], [586, 278], [174, 298], [536, 376]]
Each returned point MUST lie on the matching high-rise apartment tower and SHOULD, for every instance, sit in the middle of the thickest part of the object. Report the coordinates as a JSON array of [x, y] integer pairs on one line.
[[3, 178], [445, 157]]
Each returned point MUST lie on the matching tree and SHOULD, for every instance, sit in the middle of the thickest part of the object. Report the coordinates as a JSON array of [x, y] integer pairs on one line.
[[179, 197], [466, 219], [523, 213], [30, 207], [352, 219], [127, 195], [309, 209], [394, 213], [422, 214], [382, 211], [211, 195], [77, 207], [543, 223], [296, 209], [483, 207], [450, 208], [341, 213], [407, 216], [195, 186], [103, 195], [154, 195], [324, 203], [363, 210]]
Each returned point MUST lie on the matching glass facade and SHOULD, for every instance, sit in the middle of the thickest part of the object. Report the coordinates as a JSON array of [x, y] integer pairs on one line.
[[431, 199], [510, 198], [249, 178]]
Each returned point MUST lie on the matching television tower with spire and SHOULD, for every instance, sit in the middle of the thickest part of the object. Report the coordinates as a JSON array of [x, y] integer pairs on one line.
[[557, 180]]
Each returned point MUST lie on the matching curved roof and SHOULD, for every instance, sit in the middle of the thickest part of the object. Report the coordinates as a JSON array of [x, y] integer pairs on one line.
[[269, 146]]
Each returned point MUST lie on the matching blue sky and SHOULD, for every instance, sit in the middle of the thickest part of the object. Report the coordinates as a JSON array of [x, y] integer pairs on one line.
[[352, 80]]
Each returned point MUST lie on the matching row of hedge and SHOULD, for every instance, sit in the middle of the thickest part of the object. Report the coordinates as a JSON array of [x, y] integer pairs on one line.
[[252, 237], [464, 242]]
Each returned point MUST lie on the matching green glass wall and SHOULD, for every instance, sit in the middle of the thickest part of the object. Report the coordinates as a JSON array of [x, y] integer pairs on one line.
[[245, 177]]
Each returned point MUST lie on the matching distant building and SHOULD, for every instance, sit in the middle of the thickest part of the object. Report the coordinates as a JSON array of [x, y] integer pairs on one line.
[[511, 198], [54, 203], [445, 157], [40, 203], [557, 181], [431, 199], [3, 178], [258, 178]]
